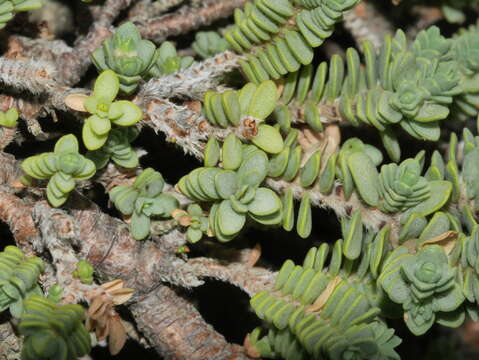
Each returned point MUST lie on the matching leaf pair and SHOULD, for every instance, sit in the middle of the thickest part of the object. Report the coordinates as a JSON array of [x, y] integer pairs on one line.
[[231, 108]]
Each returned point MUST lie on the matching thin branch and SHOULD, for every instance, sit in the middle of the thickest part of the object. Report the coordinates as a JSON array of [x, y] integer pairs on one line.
[[10, 344], [193, 82], [187, 19], [249, 279], [365, 22], [34, 76], [72, 66]]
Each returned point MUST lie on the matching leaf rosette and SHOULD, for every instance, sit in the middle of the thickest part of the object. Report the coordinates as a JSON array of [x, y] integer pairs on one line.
[[128, 55], [63, 168], [142, 201]]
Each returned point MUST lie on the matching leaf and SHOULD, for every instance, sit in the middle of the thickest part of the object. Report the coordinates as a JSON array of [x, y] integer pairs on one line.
[[268, 139], [305, 221], [353, 235], [76, 102], [310, 171], [100, 126], [140, 226], [232, 152], [254, 168], [278, 163], [365, 176], [229, 221], [66, 144], [245, 96], [212, 152], [91, 140], [125, 113], [288, 210], [263, 101], [106, 86], [440, 193], [266, 202]]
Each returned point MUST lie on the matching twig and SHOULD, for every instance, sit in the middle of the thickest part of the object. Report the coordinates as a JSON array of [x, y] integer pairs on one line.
[[186, 19], [249, 279], [366, 23], [72, 66], [193, 82], [34, 76], [10, 344]]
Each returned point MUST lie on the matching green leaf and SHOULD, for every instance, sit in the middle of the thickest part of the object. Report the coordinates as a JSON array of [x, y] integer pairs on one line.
[[245, 96], [268, 139], [326, 179], [232, 152], [278, 163], [100, 126], [365, 176], [353, 235], [440, 193], [229, 221], [254, 168], [212, 152], [305, 221], [226, 183], [231, 106], [310, 171], [266, 202], [288, 210], [140, 226], [263, 101], [432, 112], [106, 86], [91, 140], [125, 113], [66, 144]]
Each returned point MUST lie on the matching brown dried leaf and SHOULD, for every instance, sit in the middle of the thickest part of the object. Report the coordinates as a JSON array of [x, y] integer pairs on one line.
[[254, 255], [323, 298], [75, 102], [97, 307], [121, 296], [117, 335], [446, 240], [250, 349], [112, 285]]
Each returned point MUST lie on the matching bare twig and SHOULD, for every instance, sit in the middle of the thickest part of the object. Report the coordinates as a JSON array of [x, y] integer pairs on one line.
[[366, 23], [187, 19], [249, 279]]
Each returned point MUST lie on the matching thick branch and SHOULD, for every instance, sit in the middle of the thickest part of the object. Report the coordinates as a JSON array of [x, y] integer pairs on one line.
[[176, 329]]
